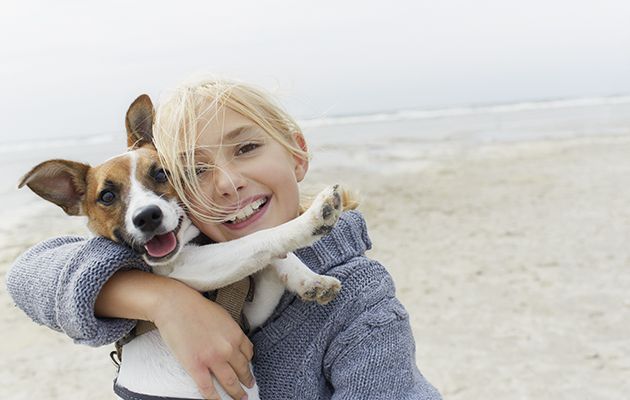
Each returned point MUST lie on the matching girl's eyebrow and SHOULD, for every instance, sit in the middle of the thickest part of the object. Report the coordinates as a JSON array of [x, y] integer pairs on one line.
[[238, 132], [232, 136]]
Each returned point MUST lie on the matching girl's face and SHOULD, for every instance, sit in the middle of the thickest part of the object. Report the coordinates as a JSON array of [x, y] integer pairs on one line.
[[253, 177]]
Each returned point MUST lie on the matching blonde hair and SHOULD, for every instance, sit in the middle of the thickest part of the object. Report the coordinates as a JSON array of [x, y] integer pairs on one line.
[[177, 130]]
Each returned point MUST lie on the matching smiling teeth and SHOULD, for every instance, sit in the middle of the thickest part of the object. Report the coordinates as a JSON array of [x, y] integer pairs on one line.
[[246, 211]]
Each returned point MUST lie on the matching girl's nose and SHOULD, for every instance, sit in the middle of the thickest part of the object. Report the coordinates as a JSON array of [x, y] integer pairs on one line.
[[228, 181]]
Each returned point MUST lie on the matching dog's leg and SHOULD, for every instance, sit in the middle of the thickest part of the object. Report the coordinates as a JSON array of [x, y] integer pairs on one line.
[[213, 266], [299, 278]]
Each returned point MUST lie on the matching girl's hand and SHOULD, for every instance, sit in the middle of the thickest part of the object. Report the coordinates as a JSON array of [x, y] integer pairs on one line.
[[201, 334], [205, 339]]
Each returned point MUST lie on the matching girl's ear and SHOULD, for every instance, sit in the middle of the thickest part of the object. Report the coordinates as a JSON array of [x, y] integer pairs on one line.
[[301, 162]]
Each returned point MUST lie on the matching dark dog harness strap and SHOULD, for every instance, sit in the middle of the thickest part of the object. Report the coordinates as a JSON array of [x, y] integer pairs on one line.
[[232, 298], [127, 394]]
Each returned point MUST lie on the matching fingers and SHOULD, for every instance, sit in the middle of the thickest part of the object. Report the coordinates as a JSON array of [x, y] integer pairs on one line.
[[229, 381], [203, 379], [247, 348], [240, 364]]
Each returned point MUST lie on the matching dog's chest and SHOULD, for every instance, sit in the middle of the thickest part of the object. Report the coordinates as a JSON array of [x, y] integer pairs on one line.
[[267, 295]]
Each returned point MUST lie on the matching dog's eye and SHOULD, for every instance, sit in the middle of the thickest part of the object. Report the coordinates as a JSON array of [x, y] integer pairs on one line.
[[107, 197], [160, 176]]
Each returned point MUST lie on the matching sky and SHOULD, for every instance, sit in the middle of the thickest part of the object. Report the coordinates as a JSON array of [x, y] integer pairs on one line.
[[70, 68]]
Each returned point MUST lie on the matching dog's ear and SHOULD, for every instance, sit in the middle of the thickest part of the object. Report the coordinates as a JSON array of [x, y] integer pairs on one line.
[[61, 182], [139, 122]]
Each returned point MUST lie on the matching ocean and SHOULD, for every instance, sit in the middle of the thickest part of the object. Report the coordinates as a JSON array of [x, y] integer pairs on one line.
[[403, 138]]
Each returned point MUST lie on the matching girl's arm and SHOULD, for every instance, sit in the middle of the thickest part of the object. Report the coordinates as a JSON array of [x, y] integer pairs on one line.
[[92, 289], [56, 283], [374, 358], [201, 334]]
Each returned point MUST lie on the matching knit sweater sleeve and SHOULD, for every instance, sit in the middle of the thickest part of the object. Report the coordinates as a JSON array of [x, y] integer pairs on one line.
[[376, 358], [372, 355], [57, 281]]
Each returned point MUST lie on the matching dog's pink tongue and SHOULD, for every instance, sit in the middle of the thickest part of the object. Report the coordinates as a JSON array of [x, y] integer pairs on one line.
[[161, 245]]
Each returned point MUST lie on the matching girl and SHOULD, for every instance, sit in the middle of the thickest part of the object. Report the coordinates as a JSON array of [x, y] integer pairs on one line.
[[225, 143]]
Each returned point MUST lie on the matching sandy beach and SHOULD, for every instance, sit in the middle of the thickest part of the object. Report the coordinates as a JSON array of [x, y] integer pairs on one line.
[[512, 259]]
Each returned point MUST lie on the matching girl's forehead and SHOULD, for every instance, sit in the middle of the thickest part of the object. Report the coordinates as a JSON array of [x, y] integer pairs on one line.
[[211, 138], [226, 125]]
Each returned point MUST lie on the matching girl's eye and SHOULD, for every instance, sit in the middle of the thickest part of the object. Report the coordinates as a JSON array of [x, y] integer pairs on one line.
[[246, 148], [200, 169], [160, 176], [106, 197]]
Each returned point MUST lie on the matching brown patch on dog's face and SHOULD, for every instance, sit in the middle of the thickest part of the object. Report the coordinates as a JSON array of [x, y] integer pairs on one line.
[[108, 190], [105, 200], [147, 168]]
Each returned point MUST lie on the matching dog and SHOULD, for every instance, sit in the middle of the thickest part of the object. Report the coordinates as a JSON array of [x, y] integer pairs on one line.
[[129, 200]]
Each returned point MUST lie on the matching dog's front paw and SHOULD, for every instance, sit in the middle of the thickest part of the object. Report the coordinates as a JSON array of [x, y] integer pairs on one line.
[[322, 289], [326, 210]]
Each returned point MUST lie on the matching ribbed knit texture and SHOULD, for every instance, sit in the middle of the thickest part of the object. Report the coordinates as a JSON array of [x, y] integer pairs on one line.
[[359, 346], [57, 281]]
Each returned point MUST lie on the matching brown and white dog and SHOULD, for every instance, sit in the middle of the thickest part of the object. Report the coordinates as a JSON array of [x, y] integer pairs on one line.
[[129, 200]]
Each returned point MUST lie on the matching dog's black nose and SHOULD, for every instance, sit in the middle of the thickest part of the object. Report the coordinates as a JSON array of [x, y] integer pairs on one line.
[[147, 218]]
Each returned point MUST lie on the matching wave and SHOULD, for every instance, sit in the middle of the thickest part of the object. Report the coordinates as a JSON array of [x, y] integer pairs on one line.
[[404, 115]]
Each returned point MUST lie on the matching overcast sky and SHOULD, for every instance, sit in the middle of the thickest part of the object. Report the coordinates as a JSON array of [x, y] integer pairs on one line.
[[72, 67]]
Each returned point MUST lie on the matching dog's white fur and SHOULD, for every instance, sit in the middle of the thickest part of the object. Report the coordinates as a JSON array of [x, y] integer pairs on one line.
[[139, 196], [148, 366]]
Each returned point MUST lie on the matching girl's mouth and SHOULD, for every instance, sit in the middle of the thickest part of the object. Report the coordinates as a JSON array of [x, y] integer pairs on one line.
[[248, 214]]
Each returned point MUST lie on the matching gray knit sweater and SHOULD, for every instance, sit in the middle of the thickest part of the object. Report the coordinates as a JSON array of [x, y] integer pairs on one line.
[[359, 346]]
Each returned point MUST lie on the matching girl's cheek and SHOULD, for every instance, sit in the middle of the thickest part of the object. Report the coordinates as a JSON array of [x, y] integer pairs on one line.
[[210, 231]]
